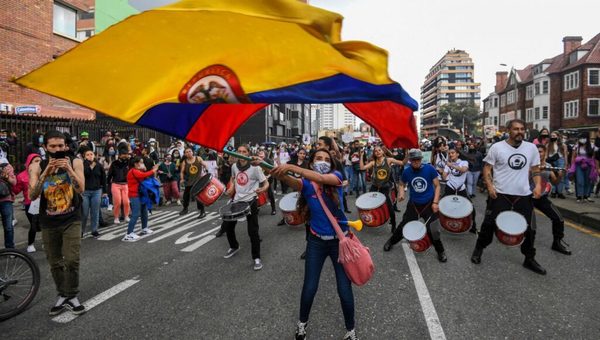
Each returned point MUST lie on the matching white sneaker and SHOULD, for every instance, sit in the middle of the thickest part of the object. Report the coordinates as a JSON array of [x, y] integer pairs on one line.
[[350, 335], [127, 219], [117, 221], [147, 231], [31, 248], [130, 237], [14, 222], [167, 203], [178, 202], [109, 208], [257, 264]]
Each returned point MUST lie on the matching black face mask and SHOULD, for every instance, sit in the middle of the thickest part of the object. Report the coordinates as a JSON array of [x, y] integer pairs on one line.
[[553, 139]]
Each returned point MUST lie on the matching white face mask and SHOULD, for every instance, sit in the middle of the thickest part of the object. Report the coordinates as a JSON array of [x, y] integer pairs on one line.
[[582, 140], [322, 167]]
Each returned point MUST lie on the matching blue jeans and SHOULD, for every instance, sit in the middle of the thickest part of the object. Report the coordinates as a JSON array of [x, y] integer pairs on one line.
[[359, 182], [137, 210], [6, 210], [317, 250], [558, 188], [472, 178], [349, 173], [583, 185], [91, 202]]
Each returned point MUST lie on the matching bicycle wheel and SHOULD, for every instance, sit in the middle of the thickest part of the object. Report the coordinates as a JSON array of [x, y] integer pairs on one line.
[[19, 282]]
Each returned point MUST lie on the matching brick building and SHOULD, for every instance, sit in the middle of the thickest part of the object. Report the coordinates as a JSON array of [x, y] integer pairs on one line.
[[34, 33], [558, 93]]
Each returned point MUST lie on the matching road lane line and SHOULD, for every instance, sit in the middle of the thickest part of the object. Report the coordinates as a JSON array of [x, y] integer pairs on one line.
[[180, 229], [433, 322], [121, 232], [96, 300], [124, 224]]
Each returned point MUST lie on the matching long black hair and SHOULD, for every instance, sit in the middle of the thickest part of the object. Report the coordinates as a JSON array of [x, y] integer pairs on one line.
[[329, 190]]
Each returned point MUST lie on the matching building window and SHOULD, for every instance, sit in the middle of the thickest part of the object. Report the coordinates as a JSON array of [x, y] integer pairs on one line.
[[537, 113], [529, 92], [545, 87], [496, 102], [594, 77], [496, 120], [503, 100], [544, 112], [529, 115], [510, 97], [594, 107], [503, 119], [571, 109], [537, 88], [571, 81], [64, 20]]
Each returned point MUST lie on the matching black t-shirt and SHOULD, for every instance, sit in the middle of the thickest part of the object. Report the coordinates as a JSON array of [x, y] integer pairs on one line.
[[59, 202]]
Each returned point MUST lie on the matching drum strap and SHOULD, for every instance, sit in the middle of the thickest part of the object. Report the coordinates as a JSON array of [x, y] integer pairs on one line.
[[422, 210], [512, 203]]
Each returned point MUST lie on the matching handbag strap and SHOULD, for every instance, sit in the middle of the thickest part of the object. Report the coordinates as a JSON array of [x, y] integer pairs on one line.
[[333, 220]]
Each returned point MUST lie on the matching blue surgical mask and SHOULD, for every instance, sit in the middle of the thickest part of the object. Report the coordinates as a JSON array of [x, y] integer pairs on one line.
[[41, 140], [111, 152], [322, 167]]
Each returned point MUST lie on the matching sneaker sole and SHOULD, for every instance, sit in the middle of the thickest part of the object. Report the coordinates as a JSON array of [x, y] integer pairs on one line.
[[258, 268], [230, 255], [57, 312]]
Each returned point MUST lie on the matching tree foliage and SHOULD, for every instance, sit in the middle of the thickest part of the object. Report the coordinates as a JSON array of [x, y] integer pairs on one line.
[[456, 111]]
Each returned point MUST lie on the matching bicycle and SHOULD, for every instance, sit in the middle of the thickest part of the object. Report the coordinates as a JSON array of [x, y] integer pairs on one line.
[[19, 282]]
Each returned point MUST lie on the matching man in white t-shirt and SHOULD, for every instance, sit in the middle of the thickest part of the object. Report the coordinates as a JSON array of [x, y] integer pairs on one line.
[[511, 161], [247, 181], [455, 175]]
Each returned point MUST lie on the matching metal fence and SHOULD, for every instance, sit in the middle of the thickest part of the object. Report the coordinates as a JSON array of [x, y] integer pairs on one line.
[[25, 126]]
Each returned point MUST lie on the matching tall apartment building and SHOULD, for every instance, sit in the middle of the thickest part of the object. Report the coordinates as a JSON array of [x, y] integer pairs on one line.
[[562, 92], [335, 116], [450, 80], [40, 32]]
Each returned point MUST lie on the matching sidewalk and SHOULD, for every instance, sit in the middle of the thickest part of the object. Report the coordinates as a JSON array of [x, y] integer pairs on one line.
[[586, 214]]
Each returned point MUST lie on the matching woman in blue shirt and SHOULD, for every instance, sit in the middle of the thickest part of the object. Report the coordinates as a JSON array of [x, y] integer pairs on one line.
[[322, 241]]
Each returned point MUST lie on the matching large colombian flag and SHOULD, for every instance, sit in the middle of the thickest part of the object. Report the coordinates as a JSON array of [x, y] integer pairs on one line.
[[198, 69]]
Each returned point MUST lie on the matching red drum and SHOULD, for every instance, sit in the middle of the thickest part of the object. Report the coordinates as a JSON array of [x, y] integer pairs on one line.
[[208, 189], [511, 228], [415, 232], [288, 206], [455, 214], [263, 198], [372, 209]]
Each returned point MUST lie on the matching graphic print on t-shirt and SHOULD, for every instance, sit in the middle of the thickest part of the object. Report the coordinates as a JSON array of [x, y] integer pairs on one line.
[[419, 184], [382, 174], [58, 192], [517, 161], [242, 179], [455, 172]]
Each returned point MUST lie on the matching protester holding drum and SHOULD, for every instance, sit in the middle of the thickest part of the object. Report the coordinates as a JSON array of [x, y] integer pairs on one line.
[[191, 171], [543, 204], [510, 203], [423, 203], [451, 206], [322, 241], [382, 180], [247, 181]]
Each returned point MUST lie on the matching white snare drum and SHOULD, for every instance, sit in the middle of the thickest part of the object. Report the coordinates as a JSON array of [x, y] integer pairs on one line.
[[511, 228], [372, 209], [415, 232], [455, 214], [287, 205]]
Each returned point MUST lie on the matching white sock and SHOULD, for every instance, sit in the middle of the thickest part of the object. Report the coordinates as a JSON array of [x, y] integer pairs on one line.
[[61, 300], [74, 301]]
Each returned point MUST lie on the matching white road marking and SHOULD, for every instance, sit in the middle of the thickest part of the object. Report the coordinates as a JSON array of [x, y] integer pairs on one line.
[[120, 226], [180, 229], [433, 322], [96, 300], [157, 228], [200, 243]]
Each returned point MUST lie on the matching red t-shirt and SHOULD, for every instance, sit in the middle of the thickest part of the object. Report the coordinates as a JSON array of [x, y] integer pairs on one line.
[[134, 177]]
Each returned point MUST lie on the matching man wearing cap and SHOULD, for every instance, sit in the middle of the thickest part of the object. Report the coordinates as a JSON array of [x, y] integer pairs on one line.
[[422, 180], [86, 143]]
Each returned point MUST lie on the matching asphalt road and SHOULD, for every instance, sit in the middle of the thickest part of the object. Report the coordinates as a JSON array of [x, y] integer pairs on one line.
[[176, 284]]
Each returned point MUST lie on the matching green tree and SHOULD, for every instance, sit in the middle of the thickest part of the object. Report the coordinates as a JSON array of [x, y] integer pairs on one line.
[[456, 111]]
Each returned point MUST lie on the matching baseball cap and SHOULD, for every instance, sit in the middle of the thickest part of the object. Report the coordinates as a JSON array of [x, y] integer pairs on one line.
[[415, 154], [84, 134]]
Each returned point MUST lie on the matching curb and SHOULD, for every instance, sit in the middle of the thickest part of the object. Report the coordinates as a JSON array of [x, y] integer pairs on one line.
[[578, 218]]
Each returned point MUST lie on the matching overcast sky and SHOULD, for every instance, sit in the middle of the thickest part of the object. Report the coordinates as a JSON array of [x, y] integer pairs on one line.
[[417, 33]]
